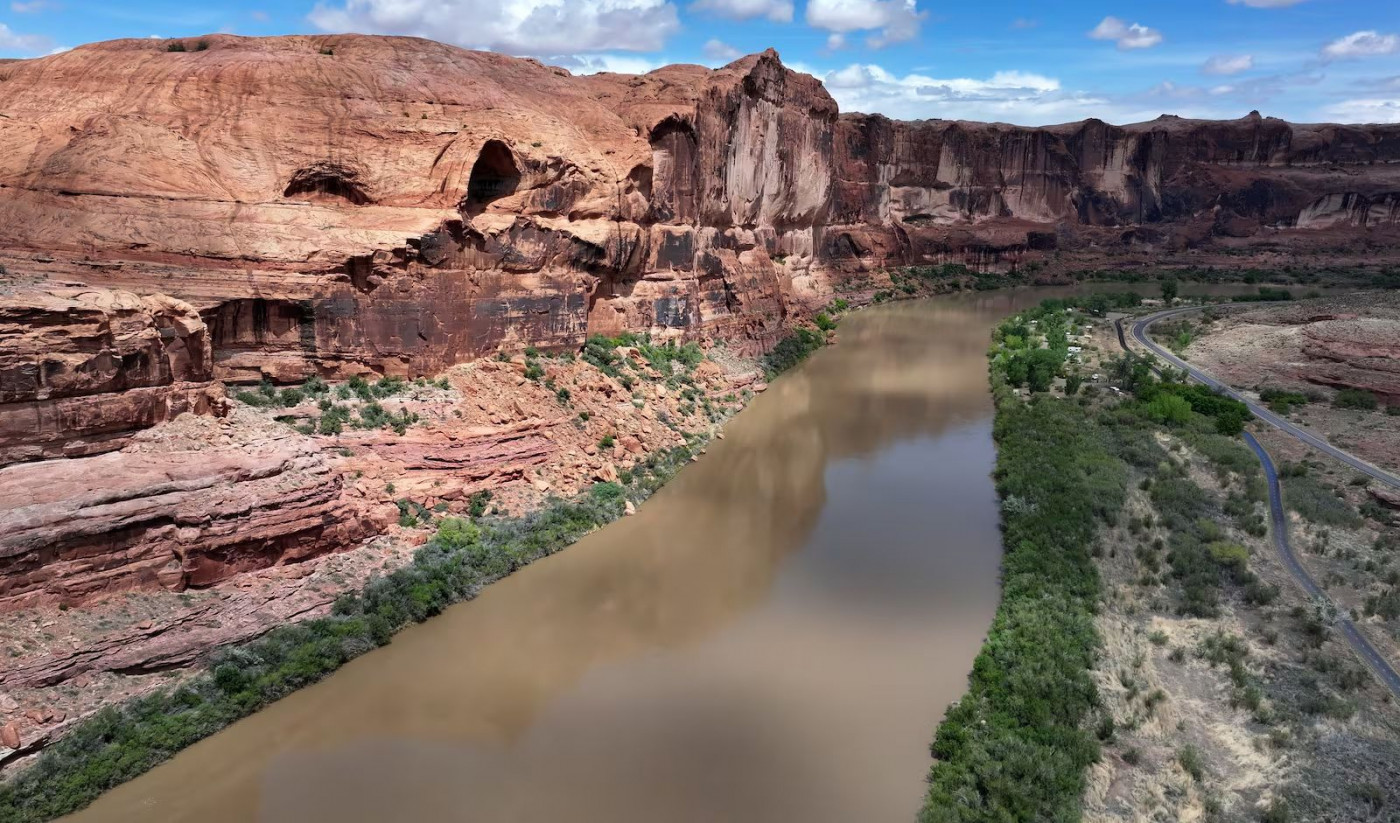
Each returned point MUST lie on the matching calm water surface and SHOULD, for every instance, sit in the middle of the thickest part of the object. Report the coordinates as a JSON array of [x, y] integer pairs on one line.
[[773, 637]]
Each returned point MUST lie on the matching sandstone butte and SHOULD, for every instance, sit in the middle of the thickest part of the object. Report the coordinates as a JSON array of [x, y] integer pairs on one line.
[[276, 208]]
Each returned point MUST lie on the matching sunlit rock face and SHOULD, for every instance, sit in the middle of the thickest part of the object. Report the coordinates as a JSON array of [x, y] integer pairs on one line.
[[81, 370], [252, 209], [352, 204], [1186, 180]]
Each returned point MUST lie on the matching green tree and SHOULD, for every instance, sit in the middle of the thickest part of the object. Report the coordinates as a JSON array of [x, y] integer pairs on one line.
[[1170, 289], [1017, 369], [1169, 408]]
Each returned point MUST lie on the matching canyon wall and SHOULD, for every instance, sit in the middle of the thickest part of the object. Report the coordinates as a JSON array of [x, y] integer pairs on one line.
[[234, 210], [310, 196], [345, 181]]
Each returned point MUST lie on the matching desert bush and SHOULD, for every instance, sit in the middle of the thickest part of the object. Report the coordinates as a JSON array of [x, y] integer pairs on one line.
[[1355, 399], [1282, 401], [792, 350], [1190, 760], [1315, 500]]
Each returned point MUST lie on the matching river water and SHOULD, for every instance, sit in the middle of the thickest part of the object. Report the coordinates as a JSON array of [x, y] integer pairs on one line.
[[772, 637]]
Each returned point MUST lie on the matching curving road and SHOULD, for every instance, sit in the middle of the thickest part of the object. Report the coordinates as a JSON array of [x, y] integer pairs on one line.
[[1358, 642], [1140, 328], [1278, 517]]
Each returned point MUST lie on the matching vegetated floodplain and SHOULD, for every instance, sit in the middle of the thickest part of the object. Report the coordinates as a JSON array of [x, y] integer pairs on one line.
[[1017, 746]]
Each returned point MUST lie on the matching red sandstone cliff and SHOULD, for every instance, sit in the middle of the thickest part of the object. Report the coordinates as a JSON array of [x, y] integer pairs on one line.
[[274, 208], [310, 194], [281, 207]]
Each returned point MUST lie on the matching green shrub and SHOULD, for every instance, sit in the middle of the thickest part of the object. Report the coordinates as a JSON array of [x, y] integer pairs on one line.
[[1355, 399], [476, 504], [1168, 408], [792, 350], [1231, 556], [333, 419]]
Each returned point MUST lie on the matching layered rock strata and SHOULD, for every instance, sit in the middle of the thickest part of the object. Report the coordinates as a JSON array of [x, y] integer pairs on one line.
[[81, 370], [250, 209], [311, 195]]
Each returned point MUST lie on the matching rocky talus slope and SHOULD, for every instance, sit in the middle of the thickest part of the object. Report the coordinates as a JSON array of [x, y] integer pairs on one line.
[[206, 530]]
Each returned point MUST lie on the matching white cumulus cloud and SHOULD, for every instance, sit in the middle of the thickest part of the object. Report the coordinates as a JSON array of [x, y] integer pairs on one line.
[[1126, 35], [12, 41], [521, 27], [1010, 96], [779, 11], [720, 51], [1364, 111], [1361, 44], [598, 63], [1023, 98], [892, 21], [1265, 4], [1226, 64]]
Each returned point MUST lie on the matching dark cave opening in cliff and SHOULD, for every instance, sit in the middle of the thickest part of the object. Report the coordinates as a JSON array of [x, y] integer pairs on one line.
[[327, 180], [494, 176]]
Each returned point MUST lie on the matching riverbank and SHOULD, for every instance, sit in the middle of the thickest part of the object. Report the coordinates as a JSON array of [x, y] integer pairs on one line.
[[473, 543], [1177, 691], [1017, 745]]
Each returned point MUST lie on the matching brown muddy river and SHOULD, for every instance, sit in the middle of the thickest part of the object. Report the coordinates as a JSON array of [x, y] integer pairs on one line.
[[773, 637]]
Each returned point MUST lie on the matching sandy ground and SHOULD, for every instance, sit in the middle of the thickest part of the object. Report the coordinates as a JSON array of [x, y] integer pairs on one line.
[[1310, 346], [1165, 696]]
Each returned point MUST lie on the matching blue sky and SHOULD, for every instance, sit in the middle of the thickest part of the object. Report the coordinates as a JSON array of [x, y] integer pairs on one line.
[[1021, 62]]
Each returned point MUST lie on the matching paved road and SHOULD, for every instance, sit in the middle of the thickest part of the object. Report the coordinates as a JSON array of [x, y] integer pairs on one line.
[[1140, 328], [1277, 515], [1358, 642]]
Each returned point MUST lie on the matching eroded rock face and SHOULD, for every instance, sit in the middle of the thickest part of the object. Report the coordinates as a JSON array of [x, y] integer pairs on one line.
[[1354, 352], [1191, 179], [312, 195], [274, 208], [169, 518], [81, 370]]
